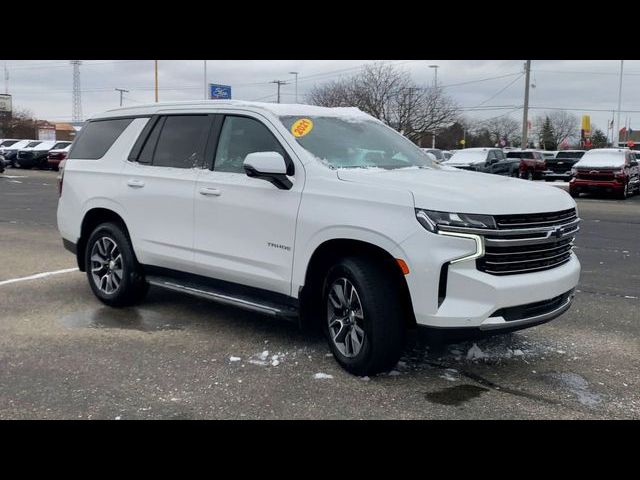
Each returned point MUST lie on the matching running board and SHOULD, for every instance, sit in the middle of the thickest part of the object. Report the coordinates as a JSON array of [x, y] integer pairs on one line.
[[226, 297]]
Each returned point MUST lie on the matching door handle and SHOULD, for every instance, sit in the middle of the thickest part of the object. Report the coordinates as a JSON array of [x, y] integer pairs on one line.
[[135, 183], [212, 192]]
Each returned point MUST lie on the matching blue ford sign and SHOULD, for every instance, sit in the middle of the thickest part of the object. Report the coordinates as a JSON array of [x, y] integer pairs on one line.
[[219, 91]]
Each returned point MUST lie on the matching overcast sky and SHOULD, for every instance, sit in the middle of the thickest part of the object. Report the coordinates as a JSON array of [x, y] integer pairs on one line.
[[583, 87]]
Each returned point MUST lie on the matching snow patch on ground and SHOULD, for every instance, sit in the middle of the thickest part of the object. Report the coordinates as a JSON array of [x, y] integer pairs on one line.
[[320, 376], [475, 353], [234, 359], [578, 386]]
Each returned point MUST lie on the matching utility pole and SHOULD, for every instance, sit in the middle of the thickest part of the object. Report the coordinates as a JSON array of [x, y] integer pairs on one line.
[[205, 81], [435, 72], [121, 90], [296, 74], [76, 114], [279, 83], [156, 74], [525, 114], [6, 79], [435, 87], [617, 132]]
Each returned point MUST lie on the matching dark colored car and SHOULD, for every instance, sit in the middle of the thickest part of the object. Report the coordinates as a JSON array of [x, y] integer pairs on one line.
[[532, 163], [37, 156], [11, 151], [559, 168], [485, 160], [606, 170]]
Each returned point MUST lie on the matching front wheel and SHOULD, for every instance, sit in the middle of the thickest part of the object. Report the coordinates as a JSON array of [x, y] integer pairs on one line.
[[363, 316], [114, 274], [625, 192]]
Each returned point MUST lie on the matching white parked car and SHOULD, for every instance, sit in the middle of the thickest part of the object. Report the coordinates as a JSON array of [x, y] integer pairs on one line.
[[312, 213]]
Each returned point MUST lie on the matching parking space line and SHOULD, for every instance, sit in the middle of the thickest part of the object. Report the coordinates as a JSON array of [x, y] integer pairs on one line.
[[37, 275]]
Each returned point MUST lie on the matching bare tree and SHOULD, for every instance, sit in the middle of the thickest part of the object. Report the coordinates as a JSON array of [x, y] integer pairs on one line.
[[564, 125], [389, 95], [501, 128]]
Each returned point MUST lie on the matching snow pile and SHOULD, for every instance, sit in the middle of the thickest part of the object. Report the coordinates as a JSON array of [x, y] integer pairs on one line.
[[475, 353], [264, 360], [320, 376], [234, 359]]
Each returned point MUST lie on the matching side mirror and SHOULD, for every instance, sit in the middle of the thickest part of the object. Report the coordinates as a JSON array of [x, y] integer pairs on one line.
[[269, 166]]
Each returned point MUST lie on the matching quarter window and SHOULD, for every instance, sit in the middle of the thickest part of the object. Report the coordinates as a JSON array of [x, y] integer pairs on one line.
[[97, 137], [239, 137]]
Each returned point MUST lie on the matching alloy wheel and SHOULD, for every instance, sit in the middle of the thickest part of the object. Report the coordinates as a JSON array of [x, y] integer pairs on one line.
[[106, 265], [345, 318]]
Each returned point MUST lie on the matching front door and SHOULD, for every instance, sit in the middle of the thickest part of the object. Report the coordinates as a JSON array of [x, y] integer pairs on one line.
[[245, 227]]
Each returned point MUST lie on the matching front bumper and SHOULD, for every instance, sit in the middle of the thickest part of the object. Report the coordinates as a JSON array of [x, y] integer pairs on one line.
[[594, 186], [557, 175], [472, 299]]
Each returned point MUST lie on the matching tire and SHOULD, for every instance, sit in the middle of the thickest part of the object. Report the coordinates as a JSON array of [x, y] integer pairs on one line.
[[131, 287], [529, 175], [515, 174], [548, 180], [625, 192], [380, 321]]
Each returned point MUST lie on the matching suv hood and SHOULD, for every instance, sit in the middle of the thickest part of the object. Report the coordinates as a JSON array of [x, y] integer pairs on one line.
[[451, 190]]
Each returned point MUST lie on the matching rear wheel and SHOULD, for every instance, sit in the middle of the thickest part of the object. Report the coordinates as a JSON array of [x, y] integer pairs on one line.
[[113, 272], [363, 316]]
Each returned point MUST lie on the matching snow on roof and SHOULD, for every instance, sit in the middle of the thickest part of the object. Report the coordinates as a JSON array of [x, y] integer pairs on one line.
[[602, 157], [278, 109]]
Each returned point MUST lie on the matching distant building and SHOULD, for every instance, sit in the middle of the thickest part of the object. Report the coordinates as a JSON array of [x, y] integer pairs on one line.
[[65, 131]]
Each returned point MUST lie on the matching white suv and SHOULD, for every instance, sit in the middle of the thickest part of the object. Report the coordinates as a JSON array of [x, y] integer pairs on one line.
[[321, 214]]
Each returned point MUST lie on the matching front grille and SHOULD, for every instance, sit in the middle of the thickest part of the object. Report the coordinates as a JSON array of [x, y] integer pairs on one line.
[[532, 309], [596, 175], [529, 242]]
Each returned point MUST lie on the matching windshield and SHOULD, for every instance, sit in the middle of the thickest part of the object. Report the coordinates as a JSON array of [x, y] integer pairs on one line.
[[33, 144], [8, 143], [60, 145], [341, 143]]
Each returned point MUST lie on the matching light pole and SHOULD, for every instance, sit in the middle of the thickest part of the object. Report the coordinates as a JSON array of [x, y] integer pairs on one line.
[[121, 90], [619, 106], [156, 75], [205, 80], [296, 74]]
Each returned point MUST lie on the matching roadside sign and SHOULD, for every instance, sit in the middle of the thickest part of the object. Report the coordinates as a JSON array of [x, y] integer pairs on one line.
[[219, 91]]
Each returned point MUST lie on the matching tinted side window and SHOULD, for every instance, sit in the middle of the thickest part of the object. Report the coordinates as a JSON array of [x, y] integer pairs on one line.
[[146, 155], [97, 137], [499, 154], [239, 137], [181, 142]]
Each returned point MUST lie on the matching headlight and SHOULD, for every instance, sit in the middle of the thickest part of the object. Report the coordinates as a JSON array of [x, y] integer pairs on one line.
[[432, 220], [574, 171]]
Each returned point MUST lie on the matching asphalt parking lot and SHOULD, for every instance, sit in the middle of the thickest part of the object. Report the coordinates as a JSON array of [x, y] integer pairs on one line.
[[63, 355]]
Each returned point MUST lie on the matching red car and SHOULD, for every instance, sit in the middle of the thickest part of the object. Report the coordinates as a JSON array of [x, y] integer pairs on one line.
[[532, 163], [56, 156], [606, 170]]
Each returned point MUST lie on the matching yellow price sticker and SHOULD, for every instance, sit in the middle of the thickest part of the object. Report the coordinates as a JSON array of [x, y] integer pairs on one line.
[[301, 127]]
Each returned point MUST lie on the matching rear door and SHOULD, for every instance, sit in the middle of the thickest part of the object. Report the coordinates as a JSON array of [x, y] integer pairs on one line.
[[158, 188]]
